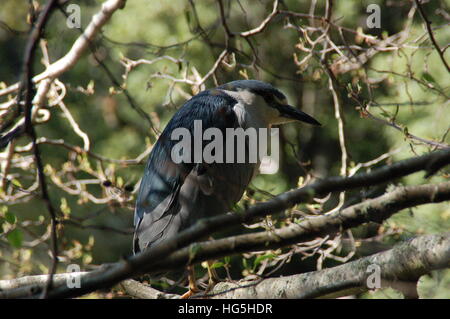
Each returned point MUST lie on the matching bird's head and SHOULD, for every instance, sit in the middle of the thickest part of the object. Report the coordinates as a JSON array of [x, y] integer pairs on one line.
[[261, 100]]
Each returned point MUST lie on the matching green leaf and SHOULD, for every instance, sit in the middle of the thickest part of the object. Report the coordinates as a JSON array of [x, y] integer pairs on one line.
[[245, 264], [65, 209], [193, 249], [259, 259], [217, 265], [427, 76], [15, 238], [10, 218], [385, 114], [16, 182], [187, 16]]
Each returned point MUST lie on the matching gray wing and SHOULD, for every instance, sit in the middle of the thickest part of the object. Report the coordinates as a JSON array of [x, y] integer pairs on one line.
[[174, 196]]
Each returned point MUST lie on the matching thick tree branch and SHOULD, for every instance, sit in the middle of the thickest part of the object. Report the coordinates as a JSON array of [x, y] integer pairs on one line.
[[36, 280], [140, 263], [29, 285], [137, 290], [407, 261], [373, 210], [376, 209], [185, 248]]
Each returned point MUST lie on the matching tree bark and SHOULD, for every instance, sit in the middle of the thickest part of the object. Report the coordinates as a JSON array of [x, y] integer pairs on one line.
[[405, 262]]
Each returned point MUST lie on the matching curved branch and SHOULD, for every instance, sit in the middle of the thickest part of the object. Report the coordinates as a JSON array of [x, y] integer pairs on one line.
[[431, 34], [263, 24], [27, 86], [80, 45], [29, 285], [373, 210], [137, 290], [144, 261], [407, 261]]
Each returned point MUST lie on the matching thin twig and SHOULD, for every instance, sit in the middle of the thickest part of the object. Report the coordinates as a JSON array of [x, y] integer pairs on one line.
[[431, 34], [27, 85]]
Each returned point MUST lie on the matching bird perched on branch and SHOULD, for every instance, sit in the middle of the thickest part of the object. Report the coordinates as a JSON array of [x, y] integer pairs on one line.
[[175, 194]]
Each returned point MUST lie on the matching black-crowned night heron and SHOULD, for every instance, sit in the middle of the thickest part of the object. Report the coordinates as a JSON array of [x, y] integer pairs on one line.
[[174, 195]]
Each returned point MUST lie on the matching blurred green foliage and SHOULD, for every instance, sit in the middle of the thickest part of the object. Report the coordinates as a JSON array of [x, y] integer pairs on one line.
[[191, 31]]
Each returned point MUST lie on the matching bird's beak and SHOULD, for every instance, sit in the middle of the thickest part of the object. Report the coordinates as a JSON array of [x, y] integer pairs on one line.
[[290, 112]]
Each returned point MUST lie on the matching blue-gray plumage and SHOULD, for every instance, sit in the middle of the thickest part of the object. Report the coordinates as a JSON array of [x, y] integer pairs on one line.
[[174, 196]]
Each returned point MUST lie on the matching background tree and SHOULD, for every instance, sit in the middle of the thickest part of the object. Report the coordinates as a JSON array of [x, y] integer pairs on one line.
[[80, 109]]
